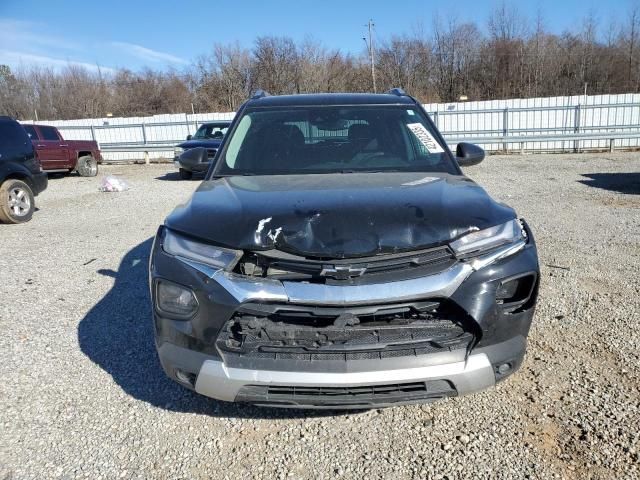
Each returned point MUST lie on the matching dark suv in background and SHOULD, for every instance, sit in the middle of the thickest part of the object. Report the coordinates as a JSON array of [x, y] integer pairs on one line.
[[21, 176], [337, 257], [207, 140]]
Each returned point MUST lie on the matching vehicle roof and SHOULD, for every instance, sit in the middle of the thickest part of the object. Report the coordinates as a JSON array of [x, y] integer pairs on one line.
[[4, 118], [319, 99], [38, 125], [215, 122]]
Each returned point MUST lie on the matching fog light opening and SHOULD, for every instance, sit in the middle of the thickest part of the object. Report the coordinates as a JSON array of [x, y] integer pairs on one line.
[[504, 368], [515, 290], [175, 300], [185, 377]]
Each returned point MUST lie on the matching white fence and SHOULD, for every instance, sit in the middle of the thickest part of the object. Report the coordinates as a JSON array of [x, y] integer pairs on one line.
[[551, 116]]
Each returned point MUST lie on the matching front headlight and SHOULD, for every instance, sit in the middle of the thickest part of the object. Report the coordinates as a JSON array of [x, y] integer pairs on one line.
[[211, 255], [177, 151], [488, 238]]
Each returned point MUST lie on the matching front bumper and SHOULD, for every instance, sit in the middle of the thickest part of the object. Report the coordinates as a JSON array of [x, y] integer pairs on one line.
[[191, 167], [219, 381], [441, 376], [189, 355], [191, 163]]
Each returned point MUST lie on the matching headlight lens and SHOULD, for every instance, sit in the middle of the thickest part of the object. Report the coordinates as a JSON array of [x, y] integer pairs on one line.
[[488, 238], [213, 256], [175, 299], [177, 151]]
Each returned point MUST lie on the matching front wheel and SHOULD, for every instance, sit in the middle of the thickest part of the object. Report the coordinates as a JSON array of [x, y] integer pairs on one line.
[[87, 166], [185, 174], [17, 202]]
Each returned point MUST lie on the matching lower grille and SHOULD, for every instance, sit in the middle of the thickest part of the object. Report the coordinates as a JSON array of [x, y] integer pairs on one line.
[[362, 395], [291, 332], [369, 390]]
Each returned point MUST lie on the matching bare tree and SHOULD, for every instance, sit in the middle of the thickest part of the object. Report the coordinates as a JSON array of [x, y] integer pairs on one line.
[[630, 39], [276, 65], [514, 58], [456, 48], [406, 62]]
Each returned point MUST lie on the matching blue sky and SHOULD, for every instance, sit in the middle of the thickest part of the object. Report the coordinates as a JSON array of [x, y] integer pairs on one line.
[[164, 34]]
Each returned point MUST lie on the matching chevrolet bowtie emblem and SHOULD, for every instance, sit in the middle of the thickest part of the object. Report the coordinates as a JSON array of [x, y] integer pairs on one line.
[[341, 272]]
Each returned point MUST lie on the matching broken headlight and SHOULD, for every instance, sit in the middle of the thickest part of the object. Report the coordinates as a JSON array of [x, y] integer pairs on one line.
[[216, 257], [488, 238]]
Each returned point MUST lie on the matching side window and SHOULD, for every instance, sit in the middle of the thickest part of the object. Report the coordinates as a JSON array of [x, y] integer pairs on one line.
[[201, 132], [49, 133], [14, 141], [31, 131]]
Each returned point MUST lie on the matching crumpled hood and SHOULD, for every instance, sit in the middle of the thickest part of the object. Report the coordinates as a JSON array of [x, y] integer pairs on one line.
[[337, 215]]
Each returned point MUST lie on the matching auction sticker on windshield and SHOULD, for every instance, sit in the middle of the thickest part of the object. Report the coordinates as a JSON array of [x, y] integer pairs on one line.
[[425, 137]]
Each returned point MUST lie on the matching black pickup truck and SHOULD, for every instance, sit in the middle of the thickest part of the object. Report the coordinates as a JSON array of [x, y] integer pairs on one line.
[[21, 176]]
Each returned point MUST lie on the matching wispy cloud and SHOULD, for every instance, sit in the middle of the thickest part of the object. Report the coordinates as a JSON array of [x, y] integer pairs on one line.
[[24, 44], [23, 59], [147, 54], [23, 34]]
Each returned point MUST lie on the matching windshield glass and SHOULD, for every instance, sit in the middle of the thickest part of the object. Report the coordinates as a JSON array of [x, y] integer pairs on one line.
[[211, 131], [299, 140]]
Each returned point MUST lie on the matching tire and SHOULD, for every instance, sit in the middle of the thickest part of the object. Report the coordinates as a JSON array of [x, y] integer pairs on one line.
[[87, 166], [185, 174], [17, 202]]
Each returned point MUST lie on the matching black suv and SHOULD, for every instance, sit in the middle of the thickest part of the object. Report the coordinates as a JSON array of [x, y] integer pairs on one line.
[[337, 257], [21, 177]]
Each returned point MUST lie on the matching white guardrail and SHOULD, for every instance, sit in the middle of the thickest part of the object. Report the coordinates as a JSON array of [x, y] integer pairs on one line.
[[519, 140], [551, 124]]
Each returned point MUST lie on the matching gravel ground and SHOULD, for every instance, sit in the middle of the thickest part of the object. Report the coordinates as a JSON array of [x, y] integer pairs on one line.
[[84, 396]]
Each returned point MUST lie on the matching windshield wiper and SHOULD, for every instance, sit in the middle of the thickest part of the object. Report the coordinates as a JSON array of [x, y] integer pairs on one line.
[[370, 171]]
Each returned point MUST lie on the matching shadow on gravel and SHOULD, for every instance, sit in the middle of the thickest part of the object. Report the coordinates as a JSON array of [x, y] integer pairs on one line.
[[170, 176], [57, 175], [175, 176], [617, 182], [117, 334]]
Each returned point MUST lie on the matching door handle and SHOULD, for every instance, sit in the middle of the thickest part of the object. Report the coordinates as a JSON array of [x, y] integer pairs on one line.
[[64, 145], [40, 146]]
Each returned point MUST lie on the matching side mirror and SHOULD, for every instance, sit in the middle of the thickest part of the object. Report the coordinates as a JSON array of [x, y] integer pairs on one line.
[[189, 137], [469, 154]]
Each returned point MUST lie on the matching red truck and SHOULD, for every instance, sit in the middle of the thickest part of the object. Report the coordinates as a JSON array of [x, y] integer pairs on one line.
[[59, 155]]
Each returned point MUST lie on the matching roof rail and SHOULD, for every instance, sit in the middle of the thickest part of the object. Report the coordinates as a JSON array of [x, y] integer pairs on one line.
[[397, 91], [259, 94]]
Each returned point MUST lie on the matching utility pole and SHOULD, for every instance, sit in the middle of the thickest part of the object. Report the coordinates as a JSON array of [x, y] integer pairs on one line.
[[371, 54], [585, 92]]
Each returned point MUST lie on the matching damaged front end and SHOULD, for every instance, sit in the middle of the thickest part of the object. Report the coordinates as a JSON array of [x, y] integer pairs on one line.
[[274, 328], [308, 334]]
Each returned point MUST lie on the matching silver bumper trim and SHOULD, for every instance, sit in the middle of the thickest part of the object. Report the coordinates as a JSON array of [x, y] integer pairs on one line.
[[218, 381], [442, 284]]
